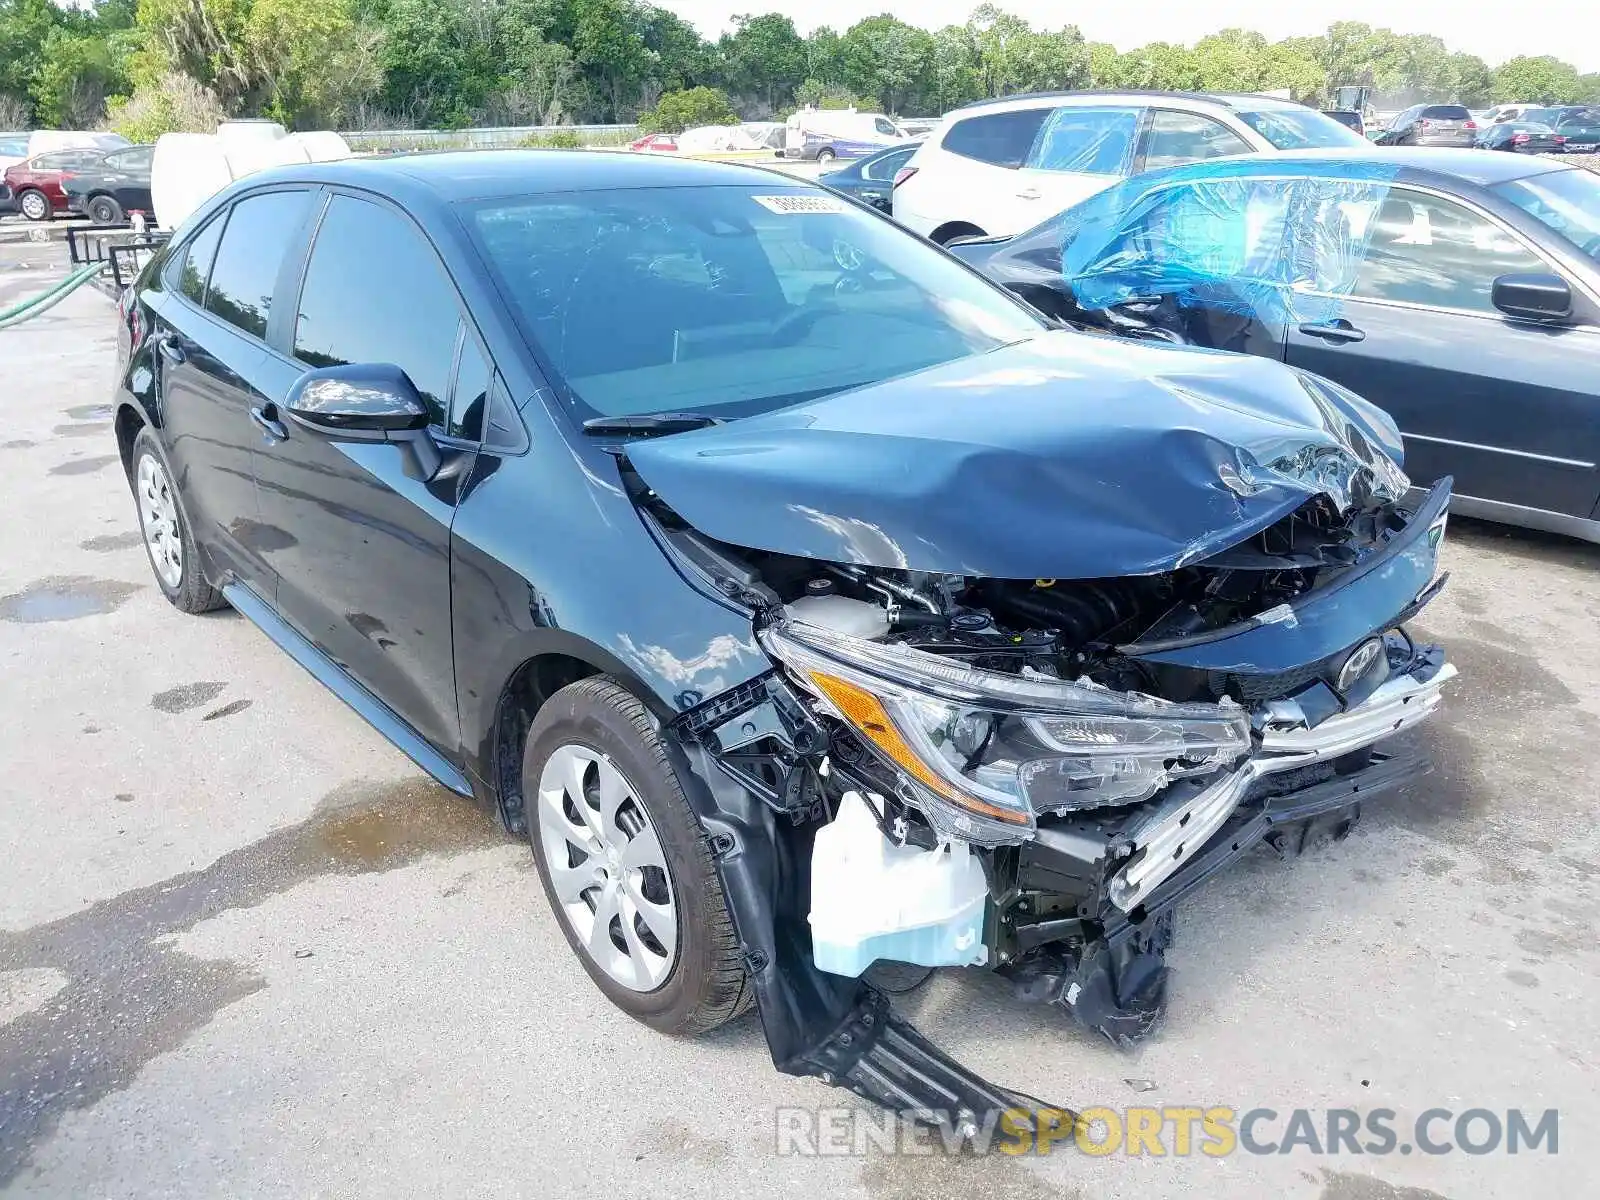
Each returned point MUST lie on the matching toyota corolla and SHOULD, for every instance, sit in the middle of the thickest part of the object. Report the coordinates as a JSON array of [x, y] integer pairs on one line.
[[805, 599]]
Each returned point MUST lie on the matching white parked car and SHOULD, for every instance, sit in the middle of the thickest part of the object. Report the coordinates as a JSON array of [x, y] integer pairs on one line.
[[1001, 166]]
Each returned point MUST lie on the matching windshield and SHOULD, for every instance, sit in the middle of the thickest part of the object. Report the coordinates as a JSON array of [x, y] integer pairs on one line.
[[1301, 129], [730, 300], [1566, 201]]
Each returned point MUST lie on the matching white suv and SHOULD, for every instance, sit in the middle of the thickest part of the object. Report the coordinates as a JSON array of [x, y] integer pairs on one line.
[[1001, 166]]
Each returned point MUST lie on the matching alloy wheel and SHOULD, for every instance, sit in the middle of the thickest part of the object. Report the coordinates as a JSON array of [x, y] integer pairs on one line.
[[158, 519], [34, 206], [607, 868]]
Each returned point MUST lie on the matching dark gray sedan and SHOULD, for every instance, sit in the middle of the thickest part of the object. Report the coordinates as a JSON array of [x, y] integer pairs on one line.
[[1459, 290]]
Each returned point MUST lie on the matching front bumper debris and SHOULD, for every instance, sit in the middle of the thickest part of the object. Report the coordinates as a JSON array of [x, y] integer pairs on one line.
[[1115, 985], [1178, 828]]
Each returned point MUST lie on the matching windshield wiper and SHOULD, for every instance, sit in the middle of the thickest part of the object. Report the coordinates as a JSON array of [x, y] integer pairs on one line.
[[648, 423]]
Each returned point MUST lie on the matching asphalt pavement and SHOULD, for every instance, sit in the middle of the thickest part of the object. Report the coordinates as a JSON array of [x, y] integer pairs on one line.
[[247, 950]]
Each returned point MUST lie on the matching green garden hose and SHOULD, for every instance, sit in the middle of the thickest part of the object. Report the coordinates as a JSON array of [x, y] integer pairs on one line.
[[19, 313]]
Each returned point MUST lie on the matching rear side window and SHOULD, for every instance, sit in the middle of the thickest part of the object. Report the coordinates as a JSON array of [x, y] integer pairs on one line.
[[137, 159], [376, 293], [887, 167], [883, 125], [1446, 112], [1089, 141], [1180, 137], [1001, 139], [260, 230], [195, 266]]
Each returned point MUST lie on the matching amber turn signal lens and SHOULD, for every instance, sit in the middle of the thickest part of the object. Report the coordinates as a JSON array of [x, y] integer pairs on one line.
[[866, 712]]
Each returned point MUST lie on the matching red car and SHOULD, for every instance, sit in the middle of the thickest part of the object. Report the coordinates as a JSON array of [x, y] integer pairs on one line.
[[661, 143], [34, 186]]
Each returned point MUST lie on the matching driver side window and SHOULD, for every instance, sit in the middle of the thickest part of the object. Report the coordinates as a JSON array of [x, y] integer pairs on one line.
[[1425, 250], [375, 293]]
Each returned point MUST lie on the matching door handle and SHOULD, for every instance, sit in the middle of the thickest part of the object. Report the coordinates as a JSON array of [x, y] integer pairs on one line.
[[170, 349], [272, 429], [1338, 330], [1029, 194]]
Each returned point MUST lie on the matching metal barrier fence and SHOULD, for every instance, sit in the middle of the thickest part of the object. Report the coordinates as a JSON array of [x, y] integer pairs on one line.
[[483, 138]]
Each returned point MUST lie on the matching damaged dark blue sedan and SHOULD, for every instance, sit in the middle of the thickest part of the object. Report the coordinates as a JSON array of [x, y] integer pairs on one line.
[[803, 597]]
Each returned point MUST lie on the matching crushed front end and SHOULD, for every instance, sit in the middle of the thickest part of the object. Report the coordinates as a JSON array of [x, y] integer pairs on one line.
[[1055, 636], [1030, 774]]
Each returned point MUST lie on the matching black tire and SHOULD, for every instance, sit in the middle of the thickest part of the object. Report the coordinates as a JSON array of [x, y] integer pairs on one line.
[[826, 155], [193, 593], [42, 209], [104, 210], [706, 986]]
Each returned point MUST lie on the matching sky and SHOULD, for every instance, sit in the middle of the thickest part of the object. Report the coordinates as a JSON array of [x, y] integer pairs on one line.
[[1569, 29]]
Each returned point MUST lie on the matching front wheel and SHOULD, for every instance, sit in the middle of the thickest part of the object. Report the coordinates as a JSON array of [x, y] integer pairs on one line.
[[35, 205], [625, 863], [167, 537], [103, 210]]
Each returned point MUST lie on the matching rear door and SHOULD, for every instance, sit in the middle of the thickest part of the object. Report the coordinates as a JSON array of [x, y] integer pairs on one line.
[[1511, 408], [1079, 151], [211, 345], [364, 568]]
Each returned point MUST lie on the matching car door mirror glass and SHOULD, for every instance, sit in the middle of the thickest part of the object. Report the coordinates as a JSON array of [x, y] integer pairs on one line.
[[358, 399], [1539, 297], [368, 402]]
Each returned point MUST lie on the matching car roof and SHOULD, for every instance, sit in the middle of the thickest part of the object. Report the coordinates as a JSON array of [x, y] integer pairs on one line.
[[1221, 99], [1484, 167], [454, 175]]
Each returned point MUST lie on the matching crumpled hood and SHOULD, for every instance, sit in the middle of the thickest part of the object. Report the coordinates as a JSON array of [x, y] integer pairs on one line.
[[1065, 456]]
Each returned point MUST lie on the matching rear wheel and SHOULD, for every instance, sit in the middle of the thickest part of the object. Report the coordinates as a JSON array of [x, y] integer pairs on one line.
[[625, 863], [34, 205], [825, 155], [167, 537], [103, 210]]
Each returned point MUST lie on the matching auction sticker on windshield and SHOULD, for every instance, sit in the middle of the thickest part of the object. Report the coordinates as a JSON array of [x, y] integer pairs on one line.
[[801, 204]]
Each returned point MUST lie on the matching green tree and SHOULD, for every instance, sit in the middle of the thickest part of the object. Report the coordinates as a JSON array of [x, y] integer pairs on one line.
[[886, 59], [608, 44], [24, 27], [677, 111], [1543, 79], [1233, 60], [956, 79], [1161, 66], [765, 57], [1105, 65], [1589, 88], [825, 55], [1472, 80]]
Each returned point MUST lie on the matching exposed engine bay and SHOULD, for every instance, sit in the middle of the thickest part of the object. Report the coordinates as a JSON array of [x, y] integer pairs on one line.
[[1028, 774]]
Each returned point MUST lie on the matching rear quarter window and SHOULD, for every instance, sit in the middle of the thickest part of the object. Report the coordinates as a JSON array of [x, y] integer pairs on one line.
[[1000, 139]]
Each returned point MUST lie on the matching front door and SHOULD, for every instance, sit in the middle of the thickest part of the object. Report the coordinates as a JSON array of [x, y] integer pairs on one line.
[[1509, 407], [365, 571]]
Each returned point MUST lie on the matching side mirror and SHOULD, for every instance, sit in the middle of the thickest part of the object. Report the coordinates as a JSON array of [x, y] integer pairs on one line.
[[367, 402], [1534, 297]]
